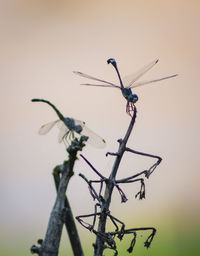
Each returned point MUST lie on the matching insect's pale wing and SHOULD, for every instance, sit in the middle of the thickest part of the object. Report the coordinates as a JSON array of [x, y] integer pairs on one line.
[[129, 80], [150, 81], [103, 85], [62, 130], [94, 139], [93, 78], [47, 127]]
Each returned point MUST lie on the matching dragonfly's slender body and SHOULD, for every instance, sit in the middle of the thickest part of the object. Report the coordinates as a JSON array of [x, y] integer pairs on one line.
[[68, 126], [126, 92], [128, 83]]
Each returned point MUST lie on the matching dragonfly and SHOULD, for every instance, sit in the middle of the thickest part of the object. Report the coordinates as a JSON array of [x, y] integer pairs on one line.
[[68, 127], [127, 83]]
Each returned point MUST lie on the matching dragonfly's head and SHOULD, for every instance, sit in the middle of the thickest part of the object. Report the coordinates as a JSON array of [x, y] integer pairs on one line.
[[78, 128], [133, 98], [112, 61]]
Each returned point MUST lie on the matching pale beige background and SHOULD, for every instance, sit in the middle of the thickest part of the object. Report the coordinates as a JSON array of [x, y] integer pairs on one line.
[[42, 42]]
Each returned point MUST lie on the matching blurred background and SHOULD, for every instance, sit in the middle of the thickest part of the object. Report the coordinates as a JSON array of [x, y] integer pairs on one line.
[[42, 42]]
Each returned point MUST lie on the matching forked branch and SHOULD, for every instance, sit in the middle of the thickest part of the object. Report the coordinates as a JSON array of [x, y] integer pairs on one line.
[[61, 212], [105, 240]]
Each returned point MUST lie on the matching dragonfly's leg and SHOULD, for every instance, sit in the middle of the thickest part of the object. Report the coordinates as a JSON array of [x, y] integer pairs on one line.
[[72, 135], [130, 108], [65, 142], [153, 167], [66, 138], [127, 108]]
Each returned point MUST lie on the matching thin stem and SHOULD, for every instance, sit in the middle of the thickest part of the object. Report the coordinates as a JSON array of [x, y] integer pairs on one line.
[[131, 177], [91, 188], [122, 146], [98, 173], [144, 154], [99, 246]]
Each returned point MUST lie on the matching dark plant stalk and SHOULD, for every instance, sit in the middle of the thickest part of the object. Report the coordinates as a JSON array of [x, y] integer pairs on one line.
[[99, 246], [50, 245], [69, 221]]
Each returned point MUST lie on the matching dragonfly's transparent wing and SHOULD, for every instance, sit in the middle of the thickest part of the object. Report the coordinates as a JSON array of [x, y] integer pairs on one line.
[[129, 80], [63, 129], [103, 85], [93, 78], [47, 127], [150, 81], [94, 139]]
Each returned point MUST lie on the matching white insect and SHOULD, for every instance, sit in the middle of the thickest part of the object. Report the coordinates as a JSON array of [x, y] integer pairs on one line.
[[69, 127]]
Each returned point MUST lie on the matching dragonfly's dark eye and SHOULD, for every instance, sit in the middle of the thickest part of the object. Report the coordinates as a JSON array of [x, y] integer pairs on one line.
[[78, 128], [133, 98]]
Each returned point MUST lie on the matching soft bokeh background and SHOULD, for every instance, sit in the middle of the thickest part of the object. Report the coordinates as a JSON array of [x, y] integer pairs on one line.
[[42, 42]]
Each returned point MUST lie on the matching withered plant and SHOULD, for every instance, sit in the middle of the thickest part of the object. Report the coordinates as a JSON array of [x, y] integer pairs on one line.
[[75, 135]]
